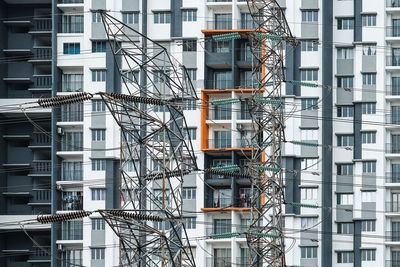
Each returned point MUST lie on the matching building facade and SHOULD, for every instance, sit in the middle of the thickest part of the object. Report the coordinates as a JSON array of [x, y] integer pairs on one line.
[[342, 149]]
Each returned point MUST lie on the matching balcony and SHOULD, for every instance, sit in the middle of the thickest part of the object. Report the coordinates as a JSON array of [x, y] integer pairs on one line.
[[72, 230], [393, 61], [72, 174], [72, 141], [41, 55], [39, 254], [72, 112], [72, 86], [41, 25], [219, 262], [70, 27], [392, 119], [392, 91], [219, 25], [393, 177], [243, 143], [246, 25], [41, 82], [71, 201], [392, 236], [395, 263], [219, 84], [393, 207], [40, 140], [41, 168], [219, 143], [41, 197]]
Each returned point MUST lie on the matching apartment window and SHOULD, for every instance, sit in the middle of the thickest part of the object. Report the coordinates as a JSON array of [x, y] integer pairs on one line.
[[98, 164], [246, 21], [130, 17], [98, 253], [369, 50], [309, 16], [368, 137], [69, 256], [309, 104], [309, 252], [368, 196], [72, 82], [72, 48], [345, 24], [309, 134], [98, 46], [309, 164], [132, 76], [368, 226], [309, 193], [157, 165], [222, 226], [190, 222], [221, 47], [345, 228], [345, 82], [368, 108], [369, 166], [309, 45], [189, 45], [192, 73], [223, 112], [309, 75], [368, 20], [223, 21], [345, 111], [192, 133], [189, 15], [345, 53], [189, 104], [345, 257], [345, 140], [345, 169], [98, 224], [98, 75], [96, 17], [369, 78], [368, 255], [222, 80], [98, 106], [160, 225], [162, 17], [98, 194], [344, 199], [308, 222], [188, 193], [98, 135]]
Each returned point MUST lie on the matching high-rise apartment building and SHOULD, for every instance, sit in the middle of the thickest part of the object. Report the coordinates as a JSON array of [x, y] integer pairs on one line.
[[342, 136]]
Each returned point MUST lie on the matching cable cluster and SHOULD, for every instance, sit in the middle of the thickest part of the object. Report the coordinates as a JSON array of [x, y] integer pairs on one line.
[[63, 100], [227, 173], [136, 216], [63, 217], [137, 99]]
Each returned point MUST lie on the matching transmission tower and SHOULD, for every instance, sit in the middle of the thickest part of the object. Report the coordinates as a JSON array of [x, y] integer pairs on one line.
[[265, 236], [155, 151]]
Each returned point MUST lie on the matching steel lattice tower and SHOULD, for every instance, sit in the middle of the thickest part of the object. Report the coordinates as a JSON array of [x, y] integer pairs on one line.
[[265, 236], [155, 153]]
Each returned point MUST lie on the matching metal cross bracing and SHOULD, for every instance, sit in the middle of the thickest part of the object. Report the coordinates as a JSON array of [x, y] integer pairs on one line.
[[265, 236], [155, 149]]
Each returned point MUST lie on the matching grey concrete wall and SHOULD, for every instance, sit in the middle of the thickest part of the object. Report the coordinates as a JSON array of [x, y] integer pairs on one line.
[[309, 30], [368, 64], [309, 118], [369, 93], [368, 181], [98, 31], [368, 210], [99, 149], [344, 67], [130, 5], [98, 4], [309, 4], [189, 59], [344, 184], [307, 237], [309, 151], [98, 237], [344, 97], [344, 213], [309, 262], [99, 120]]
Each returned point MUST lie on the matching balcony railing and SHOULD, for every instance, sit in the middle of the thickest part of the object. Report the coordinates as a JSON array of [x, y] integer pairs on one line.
[[392, 90], [393, 61], [219, 25], [42, 53], [72, 230], [72, 141], [220, 84], [393, 148], [393, 236], [392, 206], [243, 143], [222, 202], [390, 263], [219, 143], [41, 167], [71, 27], [392, 119], [72, 112], [72, 175], [393, 177], [246, 24], [41, 139], [41, 196], [40, 253], [392, 3], [76, 86], [219, 262], [42, 81], [42, 24]]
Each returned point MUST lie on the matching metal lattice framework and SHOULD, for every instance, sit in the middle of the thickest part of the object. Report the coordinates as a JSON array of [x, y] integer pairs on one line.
[[155, 151], [265, 236]]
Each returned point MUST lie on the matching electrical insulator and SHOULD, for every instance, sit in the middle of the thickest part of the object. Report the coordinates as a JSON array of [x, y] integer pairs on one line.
[[136, 216], [63, 217], [64, 100], [137, 99]]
